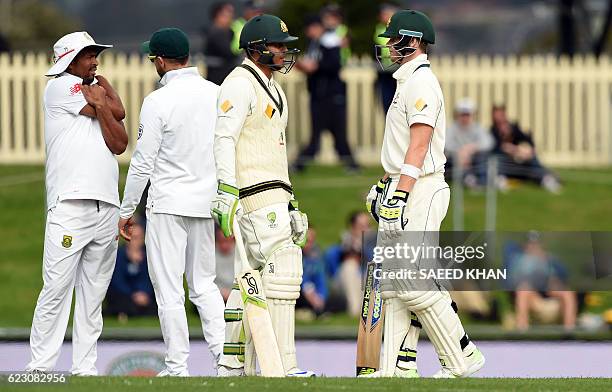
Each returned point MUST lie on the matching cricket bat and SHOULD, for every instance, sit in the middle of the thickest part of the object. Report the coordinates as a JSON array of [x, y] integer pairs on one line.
[[371, 318], [256, 312]]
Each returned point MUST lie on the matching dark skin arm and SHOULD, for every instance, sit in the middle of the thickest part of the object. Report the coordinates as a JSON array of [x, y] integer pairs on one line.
[[112, 98], [113, 130]]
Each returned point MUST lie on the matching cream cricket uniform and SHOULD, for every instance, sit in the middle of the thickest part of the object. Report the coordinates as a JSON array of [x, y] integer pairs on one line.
[[82, 214], [175, 152], [419, 100], [250, 153]]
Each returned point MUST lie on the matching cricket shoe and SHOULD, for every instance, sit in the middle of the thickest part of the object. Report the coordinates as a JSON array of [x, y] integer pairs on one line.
[[168, 373], [405, 373], [300, 373], [376, 374], [444, 373], [474, 362], [397, 373], [225, 371]]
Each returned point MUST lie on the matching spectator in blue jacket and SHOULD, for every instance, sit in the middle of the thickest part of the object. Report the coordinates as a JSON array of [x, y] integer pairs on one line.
[[131, 292], [314, 281]]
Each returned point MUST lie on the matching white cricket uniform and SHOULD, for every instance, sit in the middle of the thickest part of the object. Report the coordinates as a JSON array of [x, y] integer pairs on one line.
[[250, 153], [418, 100], [82, 214], [175, 152]]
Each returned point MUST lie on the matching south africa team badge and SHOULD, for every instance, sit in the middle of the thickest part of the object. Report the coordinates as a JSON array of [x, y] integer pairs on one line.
[[67, 241]]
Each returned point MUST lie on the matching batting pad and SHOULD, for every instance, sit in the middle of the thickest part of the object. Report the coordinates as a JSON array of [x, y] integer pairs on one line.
[[282, 313], [445, 331], [282, 274], [237, 348], [397, 325]]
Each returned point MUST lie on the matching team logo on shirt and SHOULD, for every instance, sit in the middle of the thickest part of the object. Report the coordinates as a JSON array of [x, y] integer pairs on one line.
[[226, 106], [270, 111], [272, 219], [67, 241], [75, 89], [420, 104], [140, 130]]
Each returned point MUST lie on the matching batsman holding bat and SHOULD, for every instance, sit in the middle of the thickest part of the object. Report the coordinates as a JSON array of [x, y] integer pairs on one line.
[[413, 196], [251, 162]]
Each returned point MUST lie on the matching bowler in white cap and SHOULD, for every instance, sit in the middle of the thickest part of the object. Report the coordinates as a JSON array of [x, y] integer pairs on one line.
[[83, 132]]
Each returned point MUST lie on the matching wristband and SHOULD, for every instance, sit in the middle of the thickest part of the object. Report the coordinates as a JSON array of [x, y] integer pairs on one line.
[[411, 171]]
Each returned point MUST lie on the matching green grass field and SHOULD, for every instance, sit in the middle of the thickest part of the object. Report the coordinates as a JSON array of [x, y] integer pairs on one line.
[[94, 384], [327, 194]]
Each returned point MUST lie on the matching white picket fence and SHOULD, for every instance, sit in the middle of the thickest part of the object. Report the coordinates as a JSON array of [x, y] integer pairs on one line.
[[565, 104]]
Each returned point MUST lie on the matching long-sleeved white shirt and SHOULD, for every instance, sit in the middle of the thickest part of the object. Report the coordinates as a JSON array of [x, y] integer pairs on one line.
[[175, 148]]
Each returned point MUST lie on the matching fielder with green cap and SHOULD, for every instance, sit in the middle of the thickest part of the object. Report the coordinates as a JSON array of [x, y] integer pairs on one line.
[[174, 153], [412, 196], [252, 173]]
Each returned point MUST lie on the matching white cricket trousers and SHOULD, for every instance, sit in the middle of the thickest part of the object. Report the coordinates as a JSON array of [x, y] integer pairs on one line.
[[79, 253], [177, 246]]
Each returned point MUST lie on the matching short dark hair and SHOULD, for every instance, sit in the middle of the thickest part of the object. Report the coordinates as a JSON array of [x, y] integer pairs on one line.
[[352, 218], [216, 9], [424, 46], [179, 61]]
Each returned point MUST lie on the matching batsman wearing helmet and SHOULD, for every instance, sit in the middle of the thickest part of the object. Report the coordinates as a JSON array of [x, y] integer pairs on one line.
[[252, 172], [413, 197]]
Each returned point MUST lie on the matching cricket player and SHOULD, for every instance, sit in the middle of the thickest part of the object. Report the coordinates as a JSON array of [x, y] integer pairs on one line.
[[251, 161], [175, 152], [83, 133], [413, 196]]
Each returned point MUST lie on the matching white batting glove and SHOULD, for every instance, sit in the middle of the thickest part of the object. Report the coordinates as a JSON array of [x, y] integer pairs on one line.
[[394, 215], [374, 198], [299, 224]]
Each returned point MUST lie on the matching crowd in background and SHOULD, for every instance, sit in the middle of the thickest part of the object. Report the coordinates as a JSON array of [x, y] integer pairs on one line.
[[469, 147]]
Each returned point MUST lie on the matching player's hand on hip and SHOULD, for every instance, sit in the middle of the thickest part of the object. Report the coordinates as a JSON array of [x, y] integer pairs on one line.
[[125, 227], [299, 224], [394, 215], [374, 198], [95, 95], [223, 207]]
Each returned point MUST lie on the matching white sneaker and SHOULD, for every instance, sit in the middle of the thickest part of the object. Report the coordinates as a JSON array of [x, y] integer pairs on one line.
[[300, 373], [474, 362], [225, 371], [502, 183], [167, 373], [551, 184]]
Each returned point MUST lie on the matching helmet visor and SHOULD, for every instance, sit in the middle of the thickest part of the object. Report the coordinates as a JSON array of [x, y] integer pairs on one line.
[[392, 53]]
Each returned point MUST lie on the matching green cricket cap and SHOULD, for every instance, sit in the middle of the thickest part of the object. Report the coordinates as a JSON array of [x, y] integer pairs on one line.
[[169, 42]]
